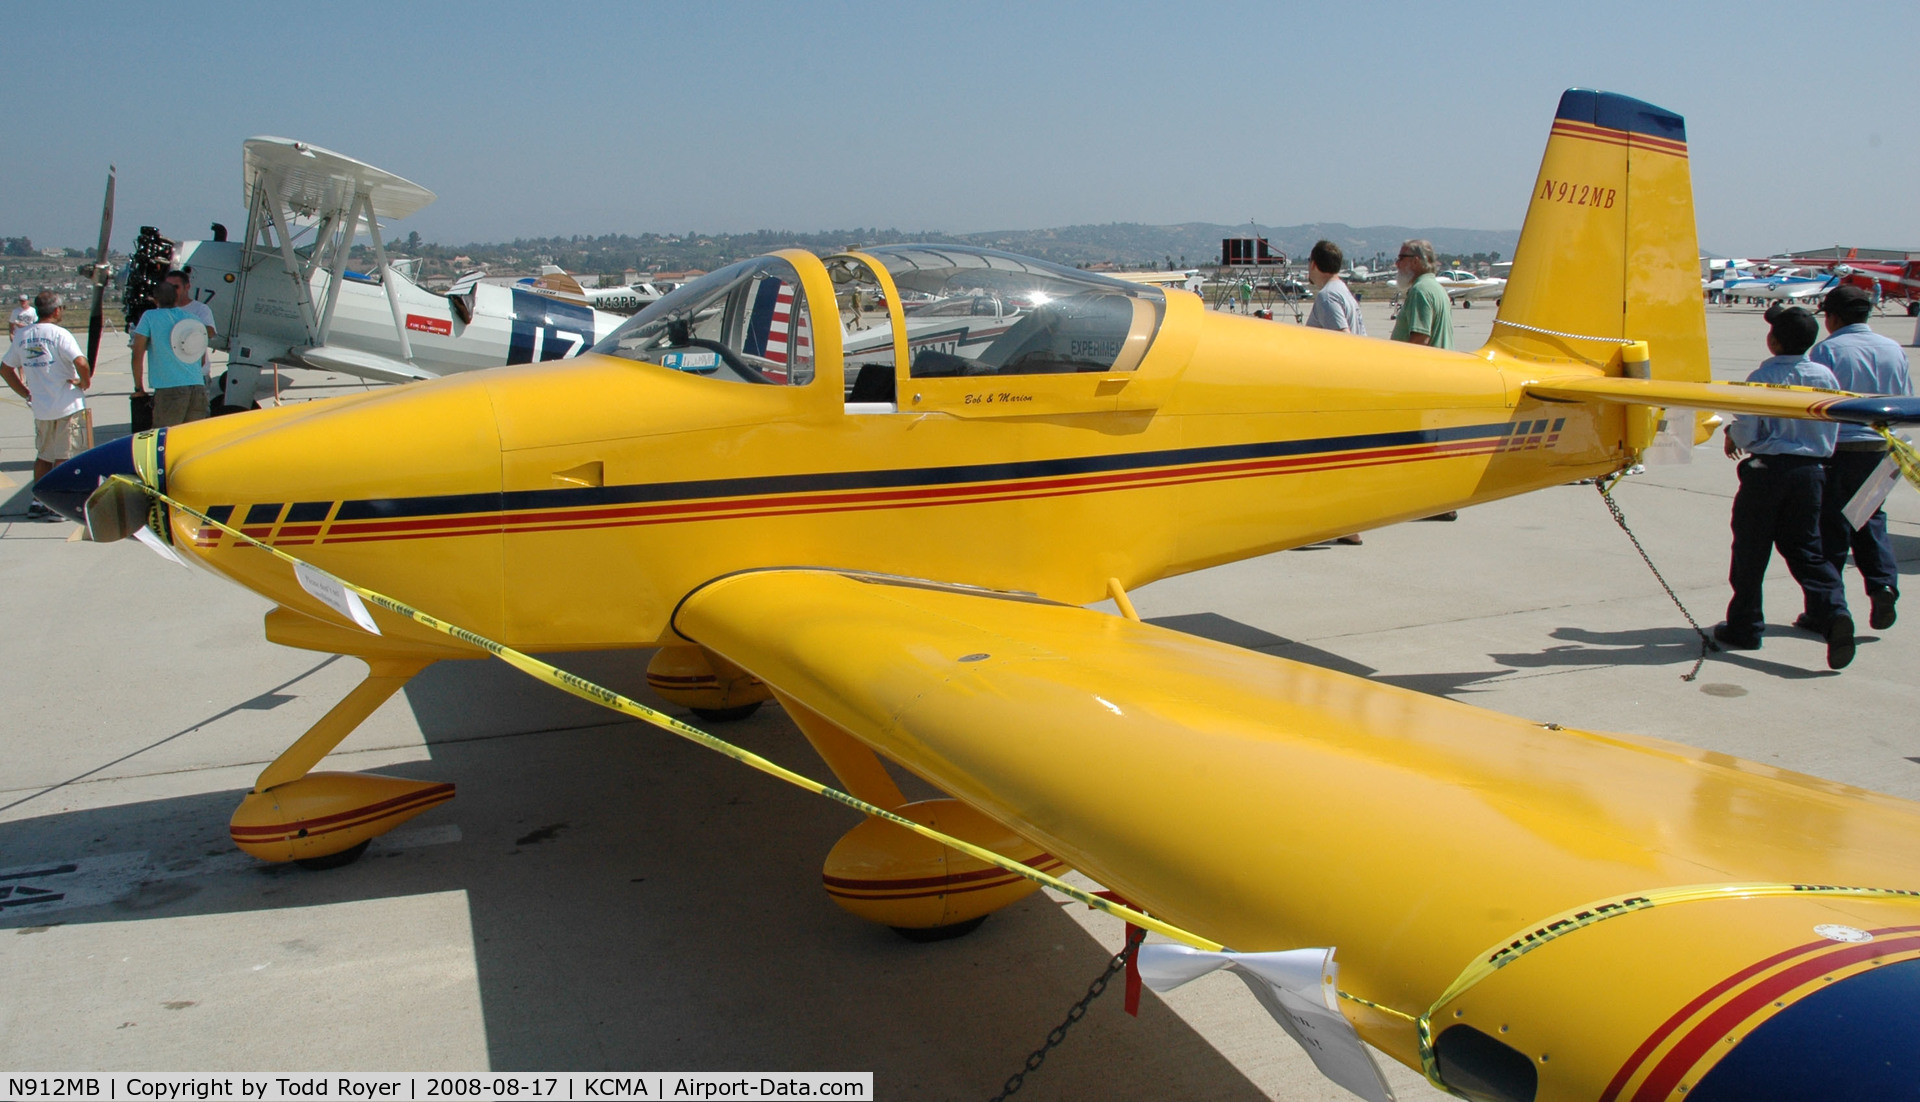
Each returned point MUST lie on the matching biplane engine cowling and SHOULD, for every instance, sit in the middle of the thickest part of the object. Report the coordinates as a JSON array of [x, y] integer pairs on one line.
[[888, 874]]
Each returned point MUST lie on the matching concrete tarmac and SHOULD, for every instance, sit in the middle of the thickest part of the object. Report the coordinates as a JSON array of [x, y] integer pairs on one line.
[[603, 896]]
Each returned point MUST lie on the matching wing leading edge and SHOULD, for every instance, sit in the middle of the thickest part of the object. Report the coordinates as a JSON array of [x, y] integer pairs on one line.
[[1272, 805], [1755, 399]]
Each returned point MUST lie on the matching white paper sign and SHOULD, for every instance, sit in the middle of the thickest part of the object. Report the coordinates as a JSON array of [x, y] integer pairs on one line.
[[1872, 493], [327, 590], [145, 535], [1299, 988], [1669, 447]]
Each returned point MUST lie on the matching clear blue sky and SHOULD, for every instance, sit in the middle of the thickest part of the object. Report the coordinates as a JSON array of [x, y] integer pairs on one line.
[[530, 118]]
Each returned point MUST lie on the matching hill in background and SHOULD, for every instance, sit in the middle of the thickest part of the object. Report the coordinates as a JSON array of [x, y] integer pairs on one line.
[[1122, 244]]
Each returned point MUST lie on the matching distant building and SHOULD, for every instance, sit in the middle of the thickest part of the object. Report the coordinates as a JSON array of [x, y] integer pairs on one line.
[[1839, 253]]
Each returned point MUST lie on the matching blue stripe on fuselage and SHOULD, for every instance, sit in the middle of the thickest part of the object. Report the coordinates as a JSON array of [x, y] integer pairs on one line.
[[830, 481]]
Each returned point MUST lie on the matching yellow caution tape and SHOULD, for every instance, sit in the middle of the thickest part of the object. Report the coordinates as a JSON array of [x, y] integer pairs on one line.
[[1903, 454], [607, 698], [1578, 918]]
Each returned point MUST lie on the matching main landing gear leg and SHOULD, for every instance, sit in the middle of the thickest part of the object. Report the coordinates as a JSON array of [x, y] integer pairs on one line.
[[324, 820], [888, 874]]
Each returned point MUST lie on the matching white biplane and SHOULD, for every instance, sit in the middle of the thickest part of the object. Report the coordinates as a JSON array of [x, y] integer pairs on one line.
[[281, 302]]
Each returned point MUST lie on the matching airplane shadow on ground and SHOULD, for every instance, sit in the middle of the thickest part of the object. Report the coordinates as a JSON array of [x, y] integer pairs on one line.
[[638, 903], [1654, 647], [1223, 629]]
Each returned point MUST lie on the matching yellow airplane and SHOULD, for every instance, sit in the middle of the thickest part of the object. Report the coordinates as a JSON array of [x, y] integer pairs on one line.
[[897, 550]]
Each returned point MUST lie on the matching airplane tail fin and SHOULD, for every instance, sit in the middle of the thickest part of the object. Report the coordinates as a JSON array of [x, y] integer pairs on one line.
[[1608, 252], [556, 283]]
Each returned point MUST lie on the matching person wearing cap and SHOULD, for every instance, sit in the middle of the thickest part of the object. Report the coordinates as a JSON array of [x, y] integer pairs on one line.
[[45, 366], [1865, 363], [23, 316], [173, 339], [1782, 471]]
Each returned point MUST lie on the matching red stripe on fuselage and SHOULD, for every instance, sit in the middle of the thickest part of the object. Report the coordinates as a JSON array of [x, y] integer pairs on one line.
[[623, 516]]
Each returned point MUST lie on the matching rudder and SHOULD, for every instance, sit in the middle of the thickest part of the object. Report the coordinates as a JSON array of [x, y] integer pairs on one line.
[[1608, 252]]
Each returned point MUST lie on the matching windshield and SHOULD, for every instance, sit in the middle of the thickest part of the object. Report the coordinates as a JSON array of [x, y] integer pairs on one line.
[[978, 312], [746, 323]]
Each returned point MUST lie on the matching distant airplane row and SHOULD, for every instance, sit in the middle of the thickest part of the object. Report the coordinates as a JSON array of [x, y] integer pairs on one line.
[[1804, 278]]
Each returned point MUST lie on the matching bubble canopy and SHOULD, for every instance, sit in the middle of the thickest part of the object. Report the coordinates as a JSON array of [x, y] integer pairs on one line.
[[1024, 317], [1028, 317]]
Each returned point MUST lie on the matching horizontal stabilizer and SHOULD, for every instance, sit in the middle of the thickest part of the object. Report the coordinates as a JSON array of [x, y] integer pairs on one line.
[[360, 364], [1804, 403]]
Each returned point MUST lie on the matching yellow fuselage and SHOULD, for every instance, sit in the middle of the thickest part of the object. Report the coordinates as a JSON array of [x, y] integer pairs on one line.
[[571, 505]]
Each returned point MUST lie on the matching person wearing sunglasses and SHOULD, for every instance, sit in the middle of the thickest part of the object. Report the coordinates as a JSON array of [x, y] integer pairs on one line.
[[1425, 315]]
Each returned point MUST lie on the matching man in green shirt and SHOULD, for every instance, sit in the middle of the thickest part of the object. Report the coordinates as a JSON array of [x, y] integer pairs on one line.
[[1425, 315]]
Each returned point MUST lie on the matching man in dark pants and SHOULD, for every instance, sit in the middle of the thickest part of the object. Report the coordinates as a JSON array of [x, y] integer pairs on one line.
[[1778, 504], [1866, 363]]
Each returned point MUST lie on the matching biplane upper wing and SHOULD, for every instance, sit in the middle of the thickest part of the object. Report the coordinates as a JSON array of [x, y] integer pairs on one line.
[[1761, 400], [309, 179], [1272, 805]]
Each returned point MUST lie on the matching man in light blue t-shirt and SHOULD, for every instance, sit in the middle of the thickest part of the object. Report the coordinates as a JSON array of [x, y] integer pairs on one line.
[[174, 340]]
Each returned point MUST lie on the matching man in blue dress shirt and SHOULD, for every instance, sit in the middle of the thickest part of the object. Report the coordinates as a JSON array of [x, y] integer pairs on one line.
[[1778, 504], [1866, 363]]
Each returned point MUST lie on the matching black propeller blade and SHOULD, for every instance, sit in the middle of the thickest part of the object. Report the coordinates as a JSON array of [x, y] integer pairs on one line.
[[102, 273]]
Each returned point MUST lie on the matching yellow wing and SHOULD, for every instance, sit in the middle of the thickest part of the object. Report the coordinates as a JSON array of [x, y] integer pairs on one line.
[[1272, 805], [1805, 403]]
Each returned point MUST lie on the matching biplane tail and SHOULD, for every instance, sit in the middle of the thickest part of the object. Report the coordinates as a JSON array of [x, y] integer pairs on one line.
[[1607, 253]]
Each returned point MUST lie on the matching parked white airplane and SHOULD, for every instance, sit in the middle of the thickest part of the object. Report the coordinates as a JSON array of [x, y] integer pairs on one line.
[[279, 302], [1786, 285], [630, 299], [626, 300], [1466, 288]]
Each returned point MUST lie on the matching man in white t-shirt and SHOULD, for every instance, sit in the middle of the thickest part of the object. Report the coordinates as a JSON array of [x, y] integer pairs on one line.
[[45, 367], [23, 316]]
